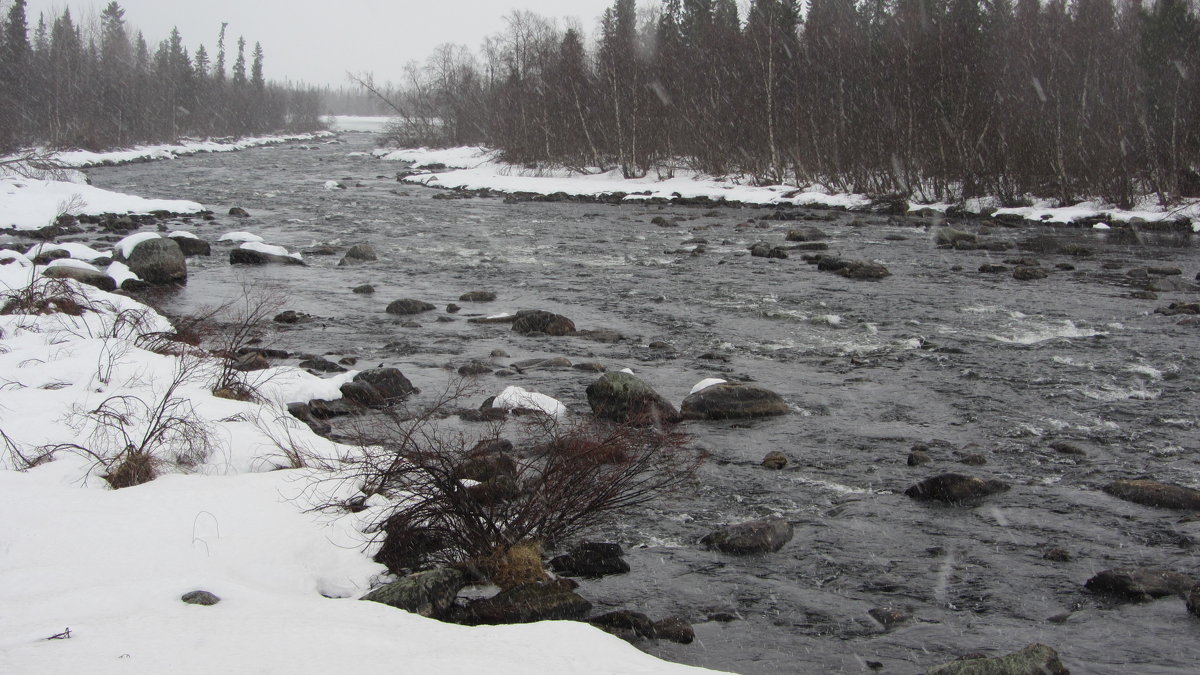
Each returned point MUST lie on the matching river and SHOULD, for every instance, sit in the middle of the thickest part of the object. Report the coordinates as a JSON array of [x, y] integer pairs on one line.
[[970, 364]]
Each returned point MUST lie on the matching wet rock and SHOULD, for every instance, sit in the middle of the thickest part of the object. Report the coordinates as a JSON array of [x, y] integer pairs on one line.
[[321, 249], [246, 256], [1140, 584], [602, 335], [84, 276], [889, 617], [477, 296], [192, 246], [1036, 659], [327, 410], [1144, 295], [806, 234], [758, 536], [359, 253], [543, 322], [622, 397], [954, 488], [733, 401], [365, 289], [590, 367], [1057, 555], [487, 462], [992, 268], [1029, 273], [862, 269], [625, 624], [429, 594], [762, 250], [973, 459], [948, 237], [378, 387], [524, 604], [1068, 448], [662, 222], [239, 212], [474, 369], [321, 364], [1176, 308], [675, 629], [408, 306], [302, 412], [251, 361], [918, 457], [1171, 285], [1153, 493], [1164, 271], [775, 460], [1193, 601], [50, 256], [591, 561], [556, 363], [495, 491], [203, 598], [157, 261], [291, 316]]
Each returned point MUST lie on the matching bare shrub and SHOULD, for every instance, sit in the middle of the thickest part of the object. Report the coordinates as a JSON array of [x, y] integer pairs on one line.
[[45, 296]]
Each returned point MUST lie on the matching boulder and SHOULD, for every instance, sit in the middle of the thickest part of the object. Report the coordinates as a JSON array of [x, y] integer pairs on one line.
[[675, 629], [477, 296], [1153, 493], [625, 624], [82, 275], [203, 598], [919, 457], [192, 246], [622, 397], [429, 594], [408, 306], [158, 261], [251, 361], [1036, 659], [806, 234], [247, 256], [757, 536], [889, 617], [365, 289], [1140, 584], [357, 254], [591, 561], [732, 401], [543, 322], [775, 460], [763, 250], [238, 212], [526, 603], [302, 412], [1029, 273], [862, 269], [320, 364], [955, 488], [378, 387], [948, 237]]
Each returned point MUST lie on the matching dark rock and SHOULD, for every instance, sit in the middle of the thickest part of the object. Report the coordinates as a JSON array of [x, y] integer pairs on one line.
[[759, 536], [408, 306], [1029, 273], [1057, 555], [543, 322], [251, 361], [775, 460], [889, 617], [84, 276], [1164, 271], [200, 598], [157, 261], [1036, 659], [556, 363], [1176, 308], [762, 250], [862, 269], [487, 464], [477, 296], [321, 364], [625, 624], [321, 249], [602, 335], [1153, 493], [662, 222], [192, 246], [1193, 601], [675, 629], [526, 603], [591, 561], [973, 459], [1171, 285], [992, 268], [239, 212], [302, 412], [590, 367], [453, 308], [806, 234], [365, 289], [429, 594], [291, 316], [246, 256], [733, 401], [949, 238], [919, 458], [327, 410], [1068, 448], [50, 256], [622, 397], [357, 254], [1140, 584], [474, 368], [1144, 295], [378, 387], [954, 488]]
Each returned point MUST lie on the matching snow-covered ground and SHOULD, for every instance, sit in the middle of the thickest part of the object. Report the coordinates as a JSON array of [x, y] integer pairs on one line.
[[359, 123], [140, 153], [104, 570], [476, 168]]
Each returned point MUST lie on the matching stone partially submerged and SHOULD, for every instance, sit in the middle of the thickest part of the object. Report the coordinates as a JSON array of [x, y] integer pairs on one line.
[[1036, 659], [429, 594], [757, 536], [733, 401], [955, 488], [1153, 493], [622, 397]]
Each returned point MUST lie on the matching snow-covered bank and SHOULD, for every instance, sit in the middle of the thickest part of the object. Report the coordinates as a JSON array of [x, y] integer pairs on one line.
[[359, 123], [30, 204], [141, 153], [477, 168], [103, 571]]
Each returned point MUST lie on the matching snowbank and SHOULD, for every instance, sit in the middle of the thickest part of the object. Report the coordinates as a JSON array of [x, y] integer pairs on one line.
[[142, 153], [27, 204], [104, 570], [359, 123]]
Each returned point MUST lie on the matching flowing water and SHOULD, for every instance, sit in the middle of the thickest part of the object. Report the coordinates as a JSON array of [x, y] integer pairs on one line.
[[939, 354]]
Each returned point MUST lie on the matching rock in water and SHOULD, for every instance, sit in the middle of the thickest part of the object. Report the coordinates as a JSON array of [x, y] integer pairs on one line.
[[591, 561], [757, 536], [429, 593], [775, 460], [84, 276], [543, 322], [158, 261], [358, 253], [408, 306], [955, 488], [477, 296], [732, 401], [1036, 659], [527, 603], [622, 397], [193, 246], [626, 624], [247, 256], [675, 629], [1193, 601], [862, 269], [1153, 493], [1140, 584], [378, 387]]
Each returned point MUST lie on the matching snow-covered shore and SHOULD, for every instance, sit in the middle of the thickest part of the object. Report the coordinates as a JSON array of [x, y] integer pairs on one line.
[[103, 570], [477, 168], [80, 159]]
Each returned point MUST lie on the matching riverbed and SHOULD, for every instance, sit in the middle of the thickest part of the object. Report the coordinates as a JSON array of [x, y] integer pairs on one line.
[[985, 370]]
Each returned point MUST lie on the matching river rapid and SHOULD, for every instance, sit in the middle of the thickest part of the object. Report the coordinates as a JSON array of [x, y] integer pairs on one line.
[[976, 366]]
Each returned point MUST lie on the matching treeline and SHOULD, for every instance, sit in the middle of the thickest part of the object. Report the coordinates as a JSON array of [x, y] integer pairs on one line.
[[938, 99], [68, 85]]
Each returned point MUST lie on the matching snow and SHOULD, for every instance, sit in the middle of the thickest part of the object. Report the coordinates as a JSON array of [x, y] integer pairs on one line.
[[269, 249], [183, 233], [140, 153], [77, 251], [28, 204], [464, 157], [705, 384], [359, 123], [237, 237], [126, 245], [71, 262], [288, 576], [331, 185], [516, 397], [120, 273]]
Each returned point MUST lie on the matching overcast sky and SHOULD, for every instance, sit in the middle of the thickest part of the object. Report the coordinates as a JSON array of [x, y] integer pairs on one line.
[[318, 41]]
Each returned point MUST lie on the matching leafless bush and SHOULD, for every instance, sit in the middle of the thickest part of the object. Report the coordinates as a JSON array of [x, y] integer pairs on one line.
[[45, 296], [477, 501]]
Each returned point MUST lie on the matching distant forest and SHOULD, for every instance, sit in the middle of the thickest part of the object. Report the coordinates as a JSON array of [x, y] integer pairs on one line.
[[937, 99], [66, 85]]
